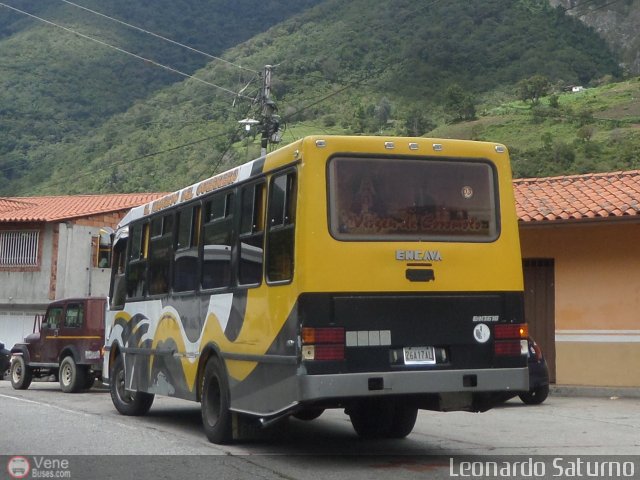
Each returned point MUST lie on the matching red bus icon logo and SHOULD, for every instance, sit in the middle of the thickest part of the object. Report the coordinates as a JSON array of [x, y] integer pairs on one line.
[[18, 467]]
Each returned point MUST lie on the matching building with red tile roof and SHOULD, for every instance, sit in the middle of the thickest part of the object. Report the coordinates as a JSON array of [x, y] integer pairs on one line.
[[579, 237], [51, 248], [56, 208]]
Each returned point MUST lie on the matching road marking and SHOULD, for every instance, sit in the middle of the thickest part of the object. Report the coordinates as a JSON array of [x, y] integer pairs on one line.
[[42, 404]]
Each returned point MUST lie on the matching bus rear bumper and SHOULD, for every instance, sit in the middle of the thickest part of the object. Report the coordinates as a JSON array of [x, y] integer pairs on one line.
[[499, 380]]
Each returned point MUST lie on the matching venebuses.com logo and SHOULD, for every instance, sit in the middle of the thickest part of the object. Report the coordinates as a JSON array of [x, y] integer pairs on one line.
[[38, 467]]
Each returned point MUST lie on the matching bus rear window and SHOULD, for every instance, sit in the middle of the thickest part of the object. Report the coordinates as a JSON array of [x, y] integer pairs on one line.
[[412, 199]]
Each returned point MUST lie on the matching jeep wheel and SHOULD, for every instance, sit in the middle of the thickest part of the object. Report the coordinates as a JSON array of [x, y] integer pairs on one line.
[[20, 373], [71, 376], [126, 401]]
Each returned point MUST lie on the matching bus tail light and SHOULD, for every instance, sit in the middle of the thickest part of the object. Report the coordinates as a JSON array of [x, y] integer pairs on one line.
[[510, 348], [323, 343], [511, 330], [511, 339], [323, 352], [322, 335]]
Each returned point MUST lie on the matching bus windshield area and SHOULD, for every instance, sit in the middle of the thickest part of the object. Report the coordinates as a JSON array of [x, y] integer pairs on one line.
[[402, 199]]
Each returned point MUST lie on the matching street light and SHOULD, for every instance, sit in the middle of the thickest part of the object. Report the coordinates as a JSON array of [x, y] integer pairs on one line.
[[248, 123]]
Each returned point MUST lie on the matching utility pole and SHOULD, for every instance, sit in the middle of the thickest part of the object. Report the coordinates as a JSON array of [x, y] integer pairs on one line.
[[270, 121]]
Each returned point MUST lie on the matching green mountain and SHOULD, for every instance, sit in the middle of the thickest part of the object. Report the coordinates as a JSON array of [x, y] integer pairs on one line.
[[79, 117], [67, 73]]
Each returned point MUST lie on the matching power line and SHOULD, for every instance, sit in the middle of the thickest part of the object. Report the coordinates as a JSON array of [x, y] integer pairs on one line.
[[577, 5], [326, 97], [142, 157], [123, 125], [213, 57], [600, 7], [586, 4], [121, 50]]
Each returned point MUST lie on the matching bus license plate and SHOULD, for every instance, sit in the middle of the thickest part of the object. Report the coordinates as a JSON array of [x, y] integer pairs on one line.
[[419, 356]]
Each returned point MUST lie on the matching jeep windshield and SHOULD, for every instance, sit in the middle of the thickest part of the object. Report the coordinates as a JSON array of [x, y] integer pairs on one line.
[[406, 199]]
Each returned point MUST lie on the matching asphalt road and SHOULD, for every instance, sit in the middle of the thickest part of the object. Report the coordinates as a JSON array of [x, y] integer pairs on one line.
[[42, 422]]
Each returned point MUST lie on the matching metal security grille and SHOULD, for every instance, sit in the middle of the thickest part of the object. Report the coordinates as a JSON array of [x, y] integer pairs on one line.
[[19, 248]]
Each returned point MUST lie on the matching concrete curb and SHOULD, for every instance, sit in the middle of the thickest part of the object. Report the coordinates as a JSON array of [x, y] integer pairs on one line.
[[601, 392]]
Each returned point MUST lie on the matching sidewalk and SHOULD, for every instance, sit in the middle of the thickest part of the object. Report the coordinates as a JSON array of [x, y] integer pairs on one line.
[[586, 391]]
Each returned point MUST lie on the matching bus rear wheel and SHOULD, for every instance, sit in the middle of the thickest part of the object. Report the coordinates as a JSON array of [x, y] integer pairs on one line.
[[125, 401], [382, 418], [215, 402], [308, 414]]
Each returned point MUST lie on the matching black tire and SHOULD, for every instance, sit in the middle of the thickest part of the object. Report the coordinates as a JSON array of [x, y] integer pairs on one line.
[[536, 395], [89, 380], [308, 414], [21, 374], [215, 402], [383, 418], [71, 376], [126, 402]]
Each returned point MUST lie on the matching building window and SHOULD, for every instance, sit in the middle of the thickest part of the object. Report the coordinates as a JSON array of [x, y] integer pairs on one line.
[[19, 248]]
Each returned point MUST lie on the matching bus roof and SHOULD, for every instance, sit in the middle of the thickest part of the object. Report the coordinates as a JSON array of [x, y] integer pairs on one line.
[[228, 177], [255, 167]]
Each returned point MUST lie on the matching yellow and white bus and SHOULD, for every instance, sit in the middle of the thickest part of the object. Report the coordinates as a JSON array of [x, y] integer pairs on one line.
[[379, 275]]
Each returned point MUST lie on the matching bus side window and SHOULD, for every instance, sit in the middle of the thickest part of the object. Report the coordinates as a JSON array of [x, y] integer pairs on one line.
[[280, 237], [185, 265], [251, 233], [160, 253], [216, 251], [118, 285], [136, 273]]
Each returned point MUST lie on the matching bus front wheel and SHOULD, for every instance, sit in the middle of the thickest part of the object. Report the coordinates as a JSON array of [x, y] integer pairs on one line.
[[216, 416], [382, 418], [125, 401]]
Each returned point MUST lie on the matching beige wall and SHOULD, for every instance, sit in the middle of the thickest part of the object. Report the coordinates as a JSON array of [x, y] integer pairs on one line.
[[597, 299]]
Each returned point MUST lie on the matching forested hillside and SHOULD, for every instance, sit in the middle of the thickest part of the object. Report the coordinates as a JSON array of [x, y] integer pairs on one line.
[[77, 116], [55, 85]]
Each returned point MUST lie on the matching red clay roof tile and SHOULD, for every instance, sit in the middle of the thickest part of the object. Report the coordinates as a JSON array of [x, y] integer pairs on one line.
[[49, 209], [576, 197]]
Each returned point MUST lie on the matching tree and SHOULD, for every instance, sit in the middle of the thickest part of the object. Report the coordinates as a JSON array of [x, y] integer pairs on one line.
[[383, 111], [585, 132], [533, 88], [416, 123], [459, 103]]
